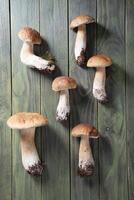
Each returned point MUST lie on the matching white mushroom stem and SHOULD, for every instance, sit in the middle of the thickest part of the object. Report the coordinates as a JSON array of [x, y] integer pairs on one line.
[[30, 157], [86, 161], [99, 85], [63, 108], [80, 44], [27, 57]]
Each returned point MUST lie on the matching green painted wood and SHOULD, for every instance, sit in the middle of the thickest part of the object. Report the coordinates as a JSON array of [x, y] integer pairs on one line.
[[26, 97], [129, 94], [83, 105], [5, 102], [55, 148], [32, 92], [111, 117]]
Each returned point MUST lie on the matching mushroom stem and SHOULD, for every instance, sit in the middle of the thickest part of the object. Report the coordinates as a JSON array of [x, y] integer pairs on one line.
[[63, 108], [30, 157], [99, 85], [28, 58], [80, 45], [86, 161]]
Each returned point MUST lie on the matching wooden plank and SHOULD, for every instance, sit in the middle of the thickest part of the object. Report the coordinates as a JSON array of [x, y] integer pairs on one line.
[[55, 149], [5, 102], [26, 96], [83, 105], [111, 117], [129, 93]]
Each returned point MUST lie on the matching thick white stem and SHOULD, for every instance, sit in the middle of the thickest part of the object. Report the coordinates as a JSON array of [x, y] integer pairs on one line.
[[99, 85], [30, 157], [86, 161], [27, 57], [63, 108], [80, 44]]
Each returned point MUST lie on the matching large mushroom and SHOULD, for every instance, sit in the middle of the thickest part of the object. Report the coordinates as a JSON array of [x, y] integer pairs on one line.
[[30, 37], [81, 38], [26, 122], [86, 161], [62, 84], [100, 61]]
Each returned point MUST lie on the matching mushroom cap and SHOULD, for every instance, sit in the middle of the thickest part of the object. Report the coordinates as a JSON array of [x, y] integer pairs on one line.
[[99, 60], [81, 20], [24, 120], [63, 83], [85, 130], [27, 34]]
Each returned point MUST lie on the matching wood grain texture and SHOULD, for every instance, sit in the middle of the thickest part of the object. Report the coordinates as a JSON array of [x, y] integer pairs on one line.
[[129, 93], [55, 149], [5, 102], [26, 96], [83, 104], [28, 90], [111, 117]]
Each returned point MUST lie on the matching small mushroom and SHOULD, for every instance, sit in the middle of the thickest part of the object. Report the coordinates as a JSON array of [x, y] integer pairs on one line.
[[86, 161], [30, 37], [26, 122], [100, 62], [62, 84], [80, 43]]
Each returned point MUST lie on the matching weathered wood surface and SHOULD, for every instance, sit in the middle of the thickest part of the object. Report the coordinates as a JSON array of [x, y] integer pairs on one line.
[[129, 94], [111, 118], [84, 108], [25, 97], [55, 149], [5, 102], [22, 89]]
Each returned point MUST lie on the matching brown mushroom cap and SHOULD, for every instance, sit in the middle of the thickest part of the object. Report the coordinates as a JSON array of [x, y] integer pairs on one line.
[[81, 20], [28, 34], [63, 83], [100, 60], [24, 120], [85, 130]]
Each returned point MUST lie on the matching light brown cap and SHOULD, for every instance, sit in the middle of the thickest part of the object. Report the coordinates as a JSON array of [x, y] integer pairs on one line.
[[24, 120], [28, 34], [100, 60], [63, 83], [85, 130], [81, 20]]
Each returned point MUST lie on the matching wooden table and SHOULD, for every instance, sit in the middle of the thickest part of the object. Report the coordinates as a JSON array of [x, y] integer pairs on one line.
[[23, 89]]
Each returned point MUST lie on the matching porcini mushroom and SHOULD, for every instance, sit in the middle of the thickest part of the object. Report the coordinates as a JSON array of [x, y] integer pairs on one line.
[[26, 122], [100, 61], [30, 37], [81, 38], [62, 84], [86, 161]]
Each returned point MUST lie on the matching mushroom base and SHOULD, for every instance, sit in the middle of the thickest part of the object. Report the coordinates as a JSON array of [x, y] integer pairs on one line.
[[36, 169], [87, 170], [81, 59], [62, 114], [100, 95], [49, 69]]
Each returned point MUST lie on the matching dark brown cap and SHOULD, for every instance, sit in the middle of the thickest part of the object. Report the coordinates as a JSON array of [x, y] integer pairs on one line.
[[28, 34], [85, 130], [99, 60], [63, 83], [81, 20], [24, 120]]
